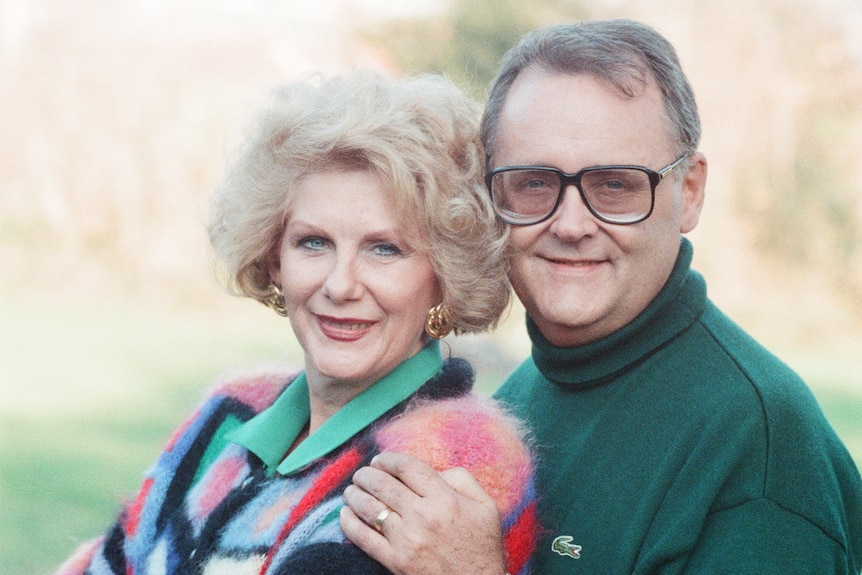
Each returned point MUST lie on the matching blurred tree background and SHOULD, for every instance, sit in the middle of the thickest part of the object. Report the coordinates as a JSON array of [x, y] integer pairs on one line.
[[467, 39], [118, 118]]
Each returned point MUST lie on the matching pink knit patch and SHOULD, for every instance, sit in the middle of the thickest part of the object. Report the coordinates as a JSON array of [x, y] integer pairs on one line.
[[259, 390], [216, 484], [80, 559], [271, 513], [468, 433]]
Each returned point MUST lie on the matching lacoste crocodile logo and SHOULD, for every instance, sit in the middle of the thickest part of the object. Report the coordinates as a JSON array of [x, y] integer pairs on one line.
[[563, 545]]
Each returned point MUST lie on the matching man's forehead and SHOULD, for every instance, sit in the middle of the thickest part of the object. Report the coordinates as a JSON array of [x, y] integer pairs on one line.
[[548, 105], [539, 81]]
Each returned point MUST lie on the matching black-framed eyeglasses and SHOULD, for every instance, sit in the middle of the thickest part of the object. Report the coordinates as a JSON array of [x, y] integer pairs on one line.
[[527, 195]]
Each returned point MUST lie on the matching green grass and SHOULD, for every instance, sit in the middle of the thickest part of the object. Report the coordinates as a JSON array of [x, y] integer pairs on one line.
[[89, 395], [63, 479], [91, 391]]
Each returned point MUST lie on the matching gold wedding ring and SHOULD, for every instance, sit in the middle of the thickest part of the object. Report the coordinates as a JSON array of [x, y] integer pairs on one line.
[[381, 517]]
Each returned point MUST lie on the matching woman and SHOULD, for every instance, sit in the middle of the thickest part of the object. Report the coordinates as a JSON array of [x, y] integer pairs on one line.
[[355, 209]]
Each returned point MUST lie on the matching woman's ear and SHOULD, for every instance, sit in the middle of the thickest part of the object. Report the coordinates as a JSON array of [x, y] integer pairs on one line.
[[273, 266]]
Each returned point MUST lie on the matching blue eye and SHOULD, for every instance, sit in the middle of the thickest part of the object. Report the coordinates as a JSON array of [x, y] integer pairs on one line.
[[312, 243], [386, 250]]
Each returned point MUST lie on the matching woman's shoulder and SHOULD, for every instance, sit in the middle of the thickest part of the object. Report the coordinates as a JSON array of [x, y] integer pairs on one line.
[[456, 424], [469, 431], [232, 399], [256, 389]]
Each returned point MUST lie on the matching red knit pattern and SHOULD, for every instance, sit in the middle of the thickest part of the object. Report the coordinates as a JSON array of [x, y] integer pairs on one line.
[[520, 541], [331, 477], [134, 511]]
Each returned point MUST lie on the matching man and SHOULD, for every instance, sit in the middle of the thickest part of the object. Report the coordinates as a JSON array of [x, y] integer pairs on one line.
[[668, 441]]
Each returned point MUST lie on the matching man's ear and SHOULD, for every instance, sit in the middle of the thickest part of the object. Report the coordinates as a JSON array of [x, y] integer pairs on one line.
[[693, 192]]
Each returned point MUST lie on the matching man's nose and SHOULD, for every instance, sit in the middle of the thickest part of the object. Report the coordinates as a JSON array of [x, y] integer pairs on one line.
[[573, 219]]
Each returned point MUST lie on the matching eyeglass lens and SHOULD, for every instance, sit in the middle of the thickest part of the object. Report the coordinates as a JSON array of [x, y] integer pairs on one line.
[[528, 195]]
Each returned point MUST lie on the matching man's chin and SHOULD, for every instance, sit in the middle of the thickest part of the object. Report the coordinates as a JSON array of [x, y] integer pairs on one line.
[[566, 326]]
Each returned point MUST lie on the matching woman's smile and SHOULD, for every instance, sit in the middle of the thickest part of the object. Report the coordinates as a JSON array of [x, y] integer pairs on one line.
[[344, 329]]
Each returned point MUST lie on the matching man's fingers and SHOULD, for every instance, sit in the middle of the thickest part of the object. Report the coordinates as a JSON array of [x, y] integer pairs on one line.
[[416, 475], [384, 488], [424, 480], [439, 523], [368, 508], [363, 536], [464, 483]]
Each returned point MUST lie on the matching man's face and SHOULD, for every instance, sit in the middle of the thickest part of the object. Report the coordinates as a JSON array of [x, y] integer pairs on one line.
[[581, 279]]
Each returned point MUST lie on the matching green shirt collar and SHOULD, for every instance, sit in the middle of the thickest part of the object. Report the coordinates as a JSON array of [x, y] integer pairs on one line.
[[675, 308], [273, 431]]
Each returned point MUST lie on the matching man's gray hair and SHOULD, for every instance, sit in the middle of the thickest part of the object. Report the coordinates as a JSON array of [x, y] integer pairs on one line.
[[623, 52]]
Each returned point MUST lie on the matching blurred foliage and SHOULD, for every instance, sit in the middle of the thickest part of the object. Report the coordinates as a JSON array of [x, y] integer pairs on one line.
[[466, 41], [808, 209]]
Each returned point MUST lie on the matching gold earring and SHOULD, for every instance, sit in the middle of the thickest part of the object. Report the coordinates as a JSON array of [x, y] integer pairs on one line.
[[439, 322], [275, 300]]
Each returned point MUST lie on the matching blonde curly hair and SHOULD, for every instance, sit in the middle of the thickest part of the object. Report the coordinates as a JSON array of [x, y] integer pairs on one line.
[[419, 135]]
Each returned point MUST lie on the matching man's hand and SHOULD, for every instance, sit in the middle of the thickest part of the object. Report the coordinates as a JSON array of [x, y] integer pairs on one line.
[[440, 523]]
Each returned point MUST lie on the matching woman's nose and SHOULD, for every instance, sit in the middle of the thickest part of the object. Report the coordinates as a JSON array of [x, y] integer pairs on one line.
[[342, 280]]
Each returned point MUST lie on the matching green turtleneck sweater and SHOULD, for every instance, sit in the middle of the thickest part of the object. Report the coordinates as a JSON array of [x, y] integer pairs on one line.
[[679, 445]]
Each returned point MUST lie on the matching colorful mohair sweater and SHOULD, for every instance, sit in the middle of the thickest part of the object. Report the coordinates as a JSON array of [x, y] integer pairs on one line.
[[211, 507]]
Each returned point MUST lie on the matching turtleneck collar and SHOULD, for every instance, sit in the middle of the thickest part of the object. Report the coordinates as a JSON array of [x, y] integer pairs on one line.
[[677, 306]]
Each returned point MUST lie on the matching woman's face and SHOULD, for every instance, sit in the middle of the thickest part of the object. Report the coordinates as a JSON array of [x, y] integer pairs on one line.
[[357, 294]]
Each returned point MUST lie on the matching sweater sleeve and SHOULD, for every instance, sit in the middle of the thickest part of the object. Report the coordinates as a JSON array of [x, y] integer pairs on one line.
[[202, 432], [760, 536], [78, 562], [479, 436]]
